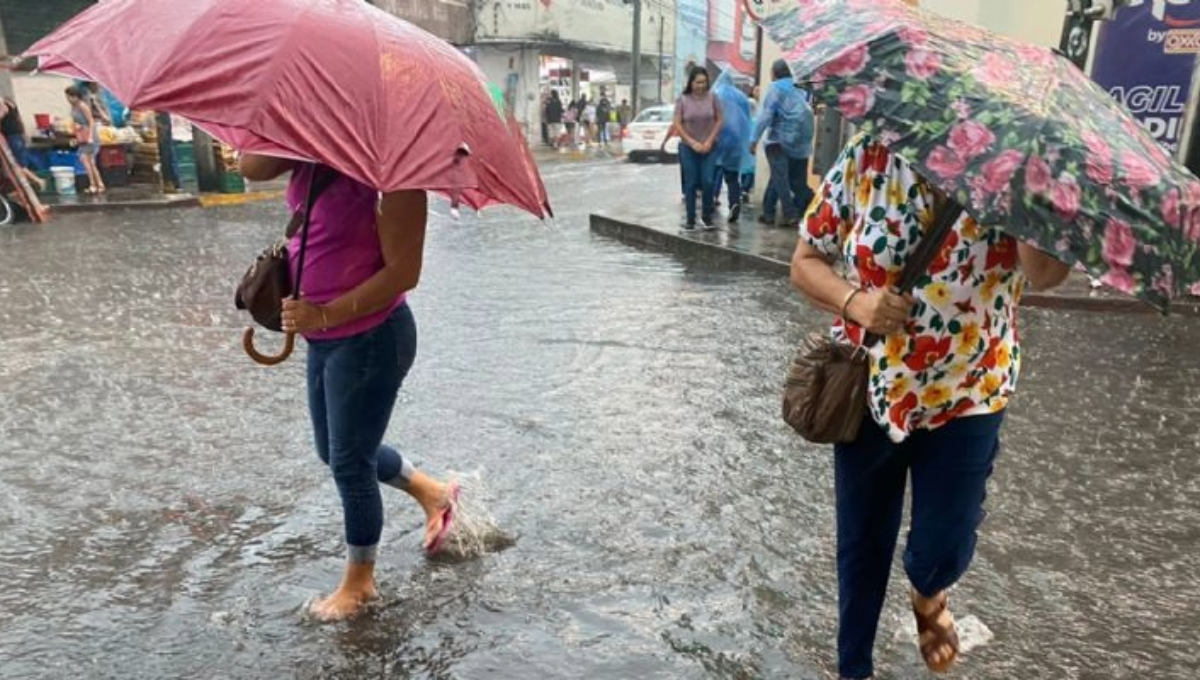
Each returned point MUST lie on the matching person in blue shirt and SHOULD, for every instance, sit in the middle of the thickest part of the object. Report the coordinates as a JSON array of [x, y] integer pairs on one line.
[[732, 140], [789, 117]]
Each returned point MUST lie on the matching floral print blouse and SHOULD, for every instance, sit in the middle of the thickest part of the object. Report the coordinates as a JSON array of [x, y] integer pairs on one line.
[[958, 355]]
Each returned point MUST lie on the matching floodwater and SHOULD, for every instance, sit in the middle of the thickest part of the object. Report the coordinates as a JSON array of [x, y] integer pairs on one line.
[[162, 514]]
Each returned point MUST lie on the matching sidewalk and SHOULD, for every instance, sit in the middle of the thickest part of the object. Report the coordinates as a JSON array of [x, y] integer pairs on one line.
[[769, 249], [545, 154], [142, 197], [117, 198]]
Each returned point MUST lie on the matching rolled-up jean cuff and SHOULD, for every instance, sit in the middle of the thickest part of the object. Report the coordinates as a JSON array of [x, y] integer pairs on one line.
[[402, 480], [361, 554]]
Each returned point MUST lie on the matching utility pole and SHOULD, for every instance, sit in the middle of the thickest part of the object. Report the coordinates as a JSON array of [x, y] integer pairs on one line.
[[637, 52], [661, 27]]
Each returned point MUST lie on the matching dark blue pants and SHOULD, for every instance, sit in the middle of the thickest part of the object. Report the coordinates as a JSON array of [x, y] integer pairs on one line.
[[352, 387], [949, 467], [788, 185], [698, 172]]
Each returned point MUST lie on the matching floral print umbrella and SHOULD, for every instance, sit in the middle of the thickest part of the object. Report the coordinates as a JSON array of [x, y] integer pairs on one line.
[[1016, 133]]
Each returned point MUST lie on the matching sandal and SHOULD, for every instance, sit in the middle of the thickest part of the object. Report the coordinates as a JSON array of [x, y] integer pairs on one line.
[[933, 635]]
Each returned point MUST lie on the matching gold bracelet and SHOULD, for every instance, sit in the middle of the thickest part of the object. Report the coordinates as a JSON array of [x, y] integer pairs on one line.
[[846, 302], [324, 321]]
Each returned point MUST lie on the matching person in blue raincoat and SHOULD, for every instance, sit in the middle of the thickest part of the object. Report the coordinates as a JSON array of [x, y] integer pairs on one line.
[[749, 162], [734, 139], [786, 113]]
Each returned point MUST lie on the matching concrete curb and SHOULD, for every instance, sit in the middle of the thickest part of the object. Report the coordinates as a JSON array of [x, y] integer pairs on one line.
[[225, 200], [694, 245], [183, 201]]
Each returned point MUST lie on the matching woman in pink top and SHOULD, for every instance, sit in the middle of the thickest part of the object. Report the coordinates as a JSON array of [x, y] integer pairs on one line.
[[364, 253], [697, 122]]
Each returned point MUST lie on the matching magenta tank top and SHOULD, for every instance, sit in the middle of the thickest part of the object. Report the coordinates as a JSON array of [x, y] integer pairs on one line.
[[343, 246]]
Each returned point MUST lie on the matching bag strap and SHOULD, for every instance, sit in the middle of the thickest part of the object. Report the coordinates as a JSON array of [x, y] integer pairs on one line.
[[918, 263], [320, 180]]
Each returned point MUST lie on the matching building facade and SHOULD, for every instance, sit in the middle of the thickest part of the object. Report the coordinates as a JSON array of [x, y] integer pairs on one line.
[[516, 41], [450, 20]]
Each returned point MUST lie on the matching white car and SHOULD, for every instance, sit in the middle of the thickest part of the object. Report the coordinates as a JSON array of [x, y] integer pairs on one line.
[[644, 136]]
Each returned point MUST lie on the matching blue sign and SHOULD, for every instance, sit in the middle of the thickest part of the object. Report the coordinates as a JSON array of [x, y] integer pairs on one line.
[[1144, 58]]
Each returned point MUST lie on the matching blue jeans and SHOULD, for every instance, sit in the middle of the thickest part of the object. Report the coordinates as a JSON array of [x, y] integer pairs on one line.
[[698, 172], [352, 387], [747, 184], [788, 185], [950, 467]]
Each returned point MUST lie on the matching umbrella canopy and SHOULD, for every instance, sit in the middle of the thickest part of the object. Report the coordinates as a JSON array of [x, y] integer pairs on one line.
[[1015, 133], [336, 81]]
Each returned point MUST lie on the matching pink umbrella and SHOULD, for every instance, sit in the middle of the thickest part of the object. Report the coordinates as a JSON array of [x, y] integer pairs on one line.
[[336, 81]]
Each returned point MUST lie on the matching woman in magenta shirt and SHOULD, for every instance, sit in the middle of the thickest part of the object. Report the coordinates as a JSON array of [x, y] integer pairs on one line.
[[364, 254]]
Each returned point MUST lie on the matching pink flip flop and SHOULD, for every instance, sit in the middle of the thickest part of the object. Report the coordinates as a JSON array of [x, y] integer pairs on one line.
[[447, 520]]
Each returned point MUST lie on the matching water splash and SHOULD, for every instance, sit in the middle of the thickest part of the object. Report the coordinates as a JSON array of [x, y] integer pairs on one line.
[[475, 532]]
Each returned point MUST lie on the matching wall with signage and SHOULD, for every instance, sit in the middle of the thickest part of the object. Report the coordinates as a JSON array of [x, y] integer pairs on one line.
[[1145, 58], [598, 24], [448, 19]]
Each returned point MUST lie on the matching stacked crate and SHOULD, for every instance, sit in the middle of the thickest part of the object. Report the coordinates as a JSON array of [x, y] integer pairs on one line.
[[231, 178], [185, 164]]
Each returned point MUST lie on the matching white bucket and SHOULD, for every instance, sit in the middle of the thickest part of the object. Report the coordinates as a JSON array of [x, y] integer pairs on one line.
[[64, 179]]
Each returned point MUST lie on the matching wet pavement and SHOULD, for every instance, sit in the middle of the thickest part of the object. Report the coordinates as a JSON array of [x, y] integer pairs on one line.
[[769, 248], [162, 513]]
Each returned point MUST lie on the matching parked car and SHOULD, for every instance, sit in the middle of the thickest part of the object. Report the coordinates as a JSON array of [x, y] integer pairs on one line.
[[644, 136]]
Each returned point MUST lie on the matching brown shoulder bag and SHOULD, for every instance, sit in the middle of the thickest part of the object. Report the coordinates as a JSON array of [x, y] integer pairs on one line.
[[825, 389], [268, 281]]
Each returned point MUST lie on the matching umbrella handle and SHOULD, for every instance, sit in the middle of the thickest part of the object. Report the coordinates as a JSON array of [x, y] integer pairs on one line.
[[289, 343]]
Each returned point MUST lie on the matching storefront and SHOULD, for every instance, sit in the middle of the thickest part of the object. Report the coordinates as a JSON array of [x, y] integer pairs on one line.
[[515, 40]]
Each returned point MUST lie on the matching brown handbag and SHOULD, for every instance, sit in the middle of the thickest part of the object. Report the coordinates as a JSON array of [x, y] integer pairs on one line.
[[825, 389], [268, 281]]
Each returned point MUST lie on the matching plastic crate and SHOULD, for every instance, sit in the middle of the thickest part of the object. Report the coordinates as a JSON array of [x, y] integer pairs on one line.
[[112, 156], [115, 176], [185, 153], [232, 183], [187, 172]]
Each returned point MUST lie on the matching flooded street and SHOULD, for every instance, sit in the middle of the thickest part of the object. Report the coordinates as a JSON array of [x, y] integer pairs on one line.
[[163, 514]]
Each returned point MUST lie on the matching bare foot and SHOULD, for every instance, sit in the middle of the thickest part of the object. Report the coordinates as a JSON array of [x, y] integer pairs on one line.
[[937, 639], [342, 604], [356, 589]]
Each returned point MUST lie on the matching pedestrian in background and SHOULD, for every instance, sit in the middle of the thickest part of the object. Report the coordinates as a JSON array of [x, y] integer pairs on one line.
[[13, 130], [589, 122], [749, 167], [554, 118], [571, 119], [732, 141], [939, 383], [90, 91], [86, 138], [788, 116], [697, 122], [364, 255], [624, 115], [603, 113]]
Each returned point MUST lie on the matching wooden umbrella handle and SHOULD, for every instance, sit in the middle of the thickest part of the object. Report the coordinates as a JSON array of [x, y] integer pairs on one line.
[[289, 343]]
